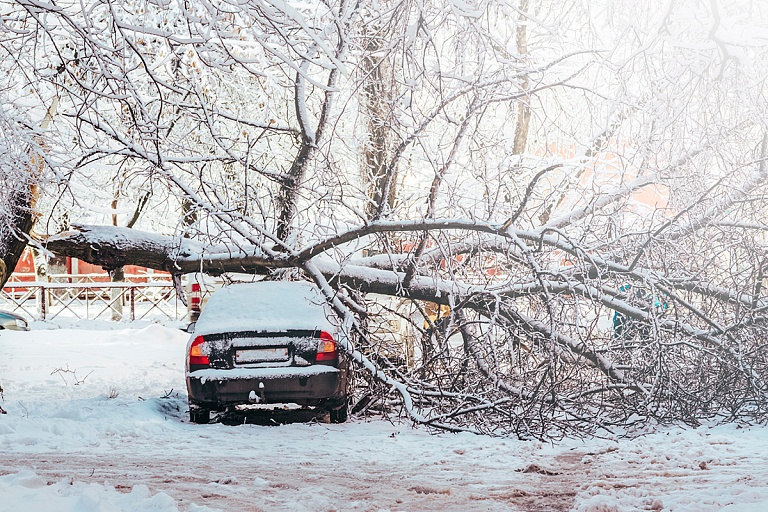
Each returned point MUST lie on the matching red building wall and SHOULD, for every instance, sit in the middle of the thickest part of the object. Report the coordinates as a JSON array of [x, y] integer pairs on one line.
[[26, 265]]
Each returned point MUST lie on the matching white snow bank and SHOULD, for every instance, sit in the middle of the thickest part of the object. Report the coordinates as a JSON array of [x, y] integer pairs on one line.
[[65, 389], [25, 491], [265, 306], [70, 364]]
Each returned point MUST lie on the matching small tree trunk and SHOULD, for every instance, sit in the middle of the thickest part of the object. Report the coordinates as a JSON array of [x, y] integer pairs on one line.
[[523, 108], [40, 263], [118, 276]]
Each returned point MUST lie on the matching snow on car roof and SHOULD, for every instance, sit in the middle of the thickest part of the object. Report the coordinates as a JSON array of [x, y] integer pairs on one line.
[[271, 306]]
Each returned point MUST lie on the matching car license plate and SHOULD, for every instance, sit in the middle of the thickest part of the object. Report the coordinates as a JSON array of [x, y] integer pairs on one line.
[[261, 355]]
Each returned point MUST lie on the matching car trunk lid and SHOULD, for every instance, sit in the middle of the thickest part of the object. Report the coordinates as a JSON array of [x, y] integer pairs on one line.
[[259, 349]]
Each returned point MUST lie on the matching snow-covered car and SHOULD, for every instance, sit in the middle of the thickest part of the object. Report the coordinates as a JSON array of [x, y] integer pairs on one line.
[[266, 342], [12, 322]]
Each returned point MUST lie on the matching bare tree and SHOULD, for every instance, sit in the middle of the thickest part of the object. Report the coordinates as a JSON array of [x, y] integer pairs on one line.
[[588, 206]]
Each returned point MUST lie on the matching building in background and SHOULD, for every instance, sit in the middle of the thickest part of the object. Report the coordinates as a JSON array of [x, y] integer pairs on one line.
[[73, 270]]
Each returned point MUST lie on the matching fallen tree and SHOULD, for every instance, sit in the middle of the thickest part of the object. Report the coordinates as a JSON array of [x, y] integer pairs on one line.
[[572, 232], [525, 359]]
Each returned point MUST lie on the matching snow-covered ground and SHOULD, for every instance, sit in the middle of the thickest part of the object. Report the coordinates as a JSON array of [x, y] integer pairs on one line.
[[97, 421]]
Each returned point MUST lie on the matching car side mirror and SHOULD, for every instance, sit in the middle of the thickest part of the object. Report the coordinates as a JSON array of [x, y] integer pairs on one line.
[[191, 327]]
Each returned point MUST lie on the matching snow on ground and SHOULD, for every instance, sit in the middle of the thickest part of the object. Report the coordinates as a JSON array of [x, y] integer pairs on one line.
[[26, 491], [691, 470], [97, 421]]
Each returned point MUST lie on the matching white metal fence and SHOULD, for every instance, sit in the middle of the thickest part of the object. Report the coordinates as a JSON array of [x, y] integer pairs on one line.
[[86, 299]]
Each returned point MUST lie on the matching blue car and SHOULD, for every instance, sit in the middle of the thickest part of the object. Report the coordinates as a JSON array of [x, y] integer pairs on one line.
[[12, 322]]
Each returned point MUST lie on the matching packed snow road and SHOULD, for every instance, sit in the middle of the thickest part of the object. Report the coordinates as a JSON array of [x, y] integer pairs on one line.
[[97, 421]]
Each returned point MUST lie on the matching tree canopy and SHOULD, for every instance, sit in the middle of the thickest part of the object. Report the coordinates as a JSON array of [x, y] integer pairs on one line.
[[580, 183]]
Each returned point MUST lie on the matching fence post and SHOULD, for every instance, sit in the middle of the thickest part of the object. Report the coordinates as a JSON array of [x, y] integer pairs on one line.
[[42, 302], [133, 300]]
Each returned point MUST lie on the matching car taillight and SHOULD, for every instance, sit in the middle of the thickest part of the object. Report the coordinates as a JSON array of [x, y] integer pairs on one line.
[[326, 348], [194, 302], [196, 352]]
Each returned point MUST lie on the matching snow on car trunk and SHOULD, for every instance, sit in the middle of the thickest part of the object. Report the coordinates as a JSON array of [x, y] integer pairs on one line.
[[274, 306]]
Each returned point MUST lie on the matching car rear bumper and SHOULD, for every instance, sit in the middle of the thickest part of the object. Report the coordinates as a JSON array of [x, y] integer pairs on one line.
[[308, 385]]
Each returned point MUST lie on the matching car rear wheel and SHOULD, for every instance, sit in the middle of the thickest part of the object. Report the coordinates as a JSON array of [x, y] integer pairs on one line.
[[197, 415], [340, 415]]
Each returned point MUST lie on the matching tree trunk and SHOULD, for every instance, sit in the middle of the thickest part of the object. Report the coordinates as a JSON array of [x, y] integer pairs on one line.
[[117, 276], [14, 236], [21, 203], [523, 108], [376, 107], [40, 263]]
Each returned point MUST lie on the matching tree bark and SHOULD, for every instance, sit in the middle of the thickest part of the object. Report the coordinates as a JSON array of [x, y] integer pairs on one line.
[[22, 220], [523, 107], [376, 107], [118, 274], [21, 204]]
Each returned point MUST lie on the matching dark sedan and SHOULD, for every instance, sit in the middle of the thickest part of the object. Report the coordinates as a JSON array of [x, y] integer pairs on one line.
[[266, 342]]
